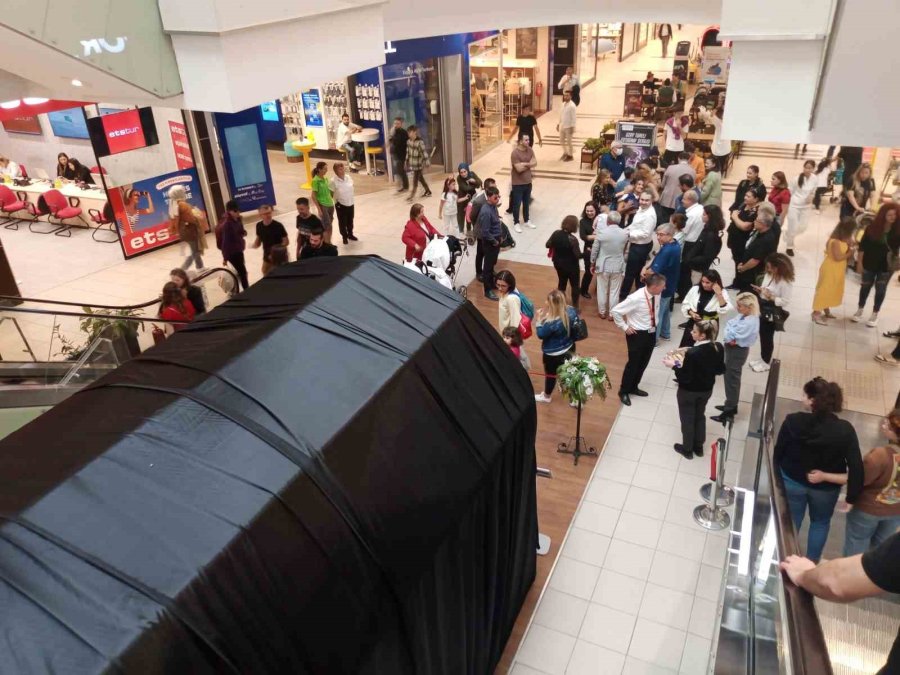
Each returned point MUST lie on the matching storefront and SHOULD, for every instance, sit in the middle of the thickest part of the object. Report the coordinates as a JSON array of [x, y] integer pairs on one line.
[[485, 95], [634, 37]]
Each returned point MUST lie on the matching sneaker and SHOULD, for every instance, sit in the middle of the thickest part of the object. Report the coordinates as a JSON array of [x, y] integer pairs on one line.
[[761, 367], [819, 319], [891, 333], [528, 223], [665, 338], [753, 362], [887, 359], [790, 252], [517, 228], [541, 398], [857, 316], [873, 320]]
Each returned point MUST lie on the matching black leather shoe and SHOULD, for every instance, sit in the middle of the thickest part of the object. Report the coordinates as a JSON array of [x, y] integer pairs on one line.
[[685, 324], [687, 454], [586, 295], [352, 238], [344, 240], [720, 407], [625, 398], [639, 392], [724, 417], [698, 452]]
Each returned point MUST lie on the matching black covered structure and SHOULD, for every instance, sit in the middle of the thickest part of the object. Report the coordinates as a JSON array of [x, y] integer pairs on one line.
[[331, 473]]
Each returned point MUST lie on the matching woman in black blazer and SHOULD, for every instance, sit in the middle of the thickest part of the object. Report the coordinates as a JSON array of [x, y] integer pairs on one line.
[[703, 254], [696, 375]]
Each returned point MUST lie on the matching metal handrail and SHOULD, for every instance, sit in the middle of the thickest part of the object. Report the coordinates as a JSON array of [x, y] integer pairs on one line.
[[199, 277], [85, 315], [808, 649]]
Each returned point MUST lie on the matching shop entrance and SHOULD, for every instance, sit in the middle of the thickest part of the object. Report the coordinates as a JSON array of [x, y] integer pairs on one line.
[[412, 91]]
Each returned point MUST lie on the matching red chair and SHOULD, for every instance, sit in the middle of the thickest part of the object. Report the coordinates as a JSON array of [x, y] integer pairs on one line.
[[23, 171], [96, 169], [106, 218], [54, 204], [10, 204]]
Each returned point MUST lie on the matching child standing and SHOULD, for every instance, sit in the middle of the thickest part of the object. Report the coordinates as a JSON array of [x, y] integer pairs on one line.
[[447, 206], [513, 338]]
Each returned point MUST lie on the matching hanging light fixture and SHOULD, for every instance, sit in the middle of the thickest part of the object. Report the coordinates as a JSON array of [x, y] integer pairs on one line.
[[34, 101], [9, 105]]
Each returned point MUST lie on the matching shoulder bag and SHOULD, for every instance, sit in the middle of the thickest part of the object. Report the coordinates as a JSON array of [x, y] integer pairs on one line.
[[769, 311], [578, 329]]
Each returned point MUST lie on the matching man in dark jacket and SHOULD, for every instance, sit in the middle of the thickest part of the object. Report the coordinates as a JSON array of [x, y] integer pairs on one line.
[[231, 238], [399, 138], [490, 230], [478, 201], [614, 160], [667, 263], [762, 243], [317, 247]]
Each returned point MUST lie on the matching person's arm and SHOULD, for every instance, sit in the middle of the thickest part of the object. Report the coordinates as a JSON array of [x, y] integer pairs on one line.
[[855, 469], [742, 225], [441, 206], [839, 580], [619, 312], [851, 197], [512, 133], [835, 249], [537, 130], [815, 476], [149, 209], [595, 253], [724, 299], [257, 243], [689, 304], [514, 305], [749, 265]]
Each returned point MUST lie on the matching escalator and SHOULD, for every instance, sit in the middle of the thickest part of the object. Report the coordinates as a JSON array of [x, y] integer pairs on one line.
[[32, 381], [768, 625]]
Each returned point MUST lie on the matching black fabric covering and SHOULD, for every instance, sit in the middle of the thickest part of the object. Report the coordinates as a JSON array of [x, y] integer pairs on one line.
[[331, 473]]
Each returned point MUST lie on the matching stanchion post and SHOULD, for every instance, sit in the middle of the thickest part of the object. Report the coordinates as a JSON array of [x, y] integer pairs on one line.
[[718, 458], [710, 515]]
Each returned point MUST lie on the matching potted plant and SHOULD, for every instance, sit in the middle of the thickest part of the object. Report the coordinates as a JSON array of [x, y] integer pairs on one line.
[[121, 331], [592, 149], [579, 378]]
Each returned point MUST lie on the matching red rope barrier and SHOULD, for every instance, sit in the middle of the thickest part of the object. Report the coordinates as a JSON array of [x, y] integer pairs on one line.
[[713, 475], [531, 372]]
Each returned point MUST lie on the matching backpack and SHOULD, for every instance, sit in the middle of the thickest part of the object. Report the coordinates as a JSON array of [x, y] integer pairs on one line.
[[890, 493], [526, 306], [525, 327]]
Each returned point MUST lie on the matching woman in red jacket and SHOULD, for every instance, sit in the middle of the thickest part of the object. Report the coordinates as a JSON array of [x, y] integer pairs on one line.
[[417, 233], [780, 194], [175, 307]]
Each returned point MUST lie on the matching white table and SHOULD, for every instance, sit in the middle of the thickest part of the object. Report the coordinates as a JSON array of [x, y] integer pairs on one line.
[[88, 198], [365, 137]]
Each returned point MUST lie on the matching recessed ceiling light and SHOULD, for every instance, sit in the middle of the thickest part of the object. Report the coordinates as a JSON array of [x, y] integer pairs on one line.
[[76, 83], [35, 101], [9, 105]]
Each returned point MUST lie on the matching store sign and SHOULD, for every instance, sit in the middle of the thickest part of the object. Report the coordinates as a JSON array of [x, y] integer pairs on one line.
[[633, 94], [311, 108], [637, 140], [123, 131], [715, 65], [184, 158], [100, 45], [244, 155], [142, 210]]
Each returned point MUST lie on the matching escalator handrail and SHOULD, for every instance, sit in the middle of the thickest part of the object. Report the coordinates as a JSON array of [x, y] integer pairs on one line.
[[808, 649], [199, 277], [84, 315]]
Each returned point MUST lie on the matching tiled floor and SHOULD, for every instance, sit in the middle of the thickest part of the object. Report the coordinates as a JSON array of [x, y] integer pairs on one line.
[[636, 587]]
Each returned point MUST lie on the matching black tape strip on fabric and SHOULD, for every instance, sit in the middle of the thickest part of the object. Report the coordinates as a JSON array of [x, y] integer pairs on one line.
[[313, 468], [160, 599]]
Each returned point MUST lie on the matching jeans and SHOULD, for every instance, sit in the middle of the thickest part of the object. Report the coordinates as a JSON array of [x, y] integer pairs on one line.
[[419, 178], [354, 151], [491, 253], [570, 277], [821, 503], [521, 194], [865, 531], [551, 364], [194, 255], [880, 281], [400, 172], [735, 358], [237, 262], [664, 325], [634, 263], [692, 413]]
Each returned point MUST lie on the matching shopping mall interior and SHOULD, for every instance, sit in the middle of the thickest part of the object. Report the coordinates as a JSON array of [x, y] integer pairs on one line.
[[178, 498]]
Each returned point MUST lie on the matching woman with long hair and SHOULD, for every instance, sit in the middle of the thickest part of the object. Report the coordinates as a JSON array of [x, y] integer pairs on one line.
[[174, 306], [803, 189], [467, 185], [774, 295], [417, 233], [701, 256], [813, 440], [80, 173], [447, 207], [193, 293], [707, 301], [586, 231], [833, 271], [855, 199], [880, 239], [566, 254], [741, 226], [823, 170], [779, 194], [509, 305], [739, 336], [62, 167], [133, 210], [696, 375], [185, 221], [553, 326], [603, 189]]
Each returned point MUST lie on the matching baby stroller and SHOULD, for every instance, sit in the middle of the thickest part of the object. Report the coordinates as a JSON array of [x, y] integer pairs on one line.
[[459, 248], [440, 261]]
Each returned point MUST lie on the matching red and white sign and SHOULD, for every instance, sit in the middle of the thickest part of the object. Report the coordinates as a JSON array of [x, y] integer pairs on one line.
[[184, 158], [124, 131]]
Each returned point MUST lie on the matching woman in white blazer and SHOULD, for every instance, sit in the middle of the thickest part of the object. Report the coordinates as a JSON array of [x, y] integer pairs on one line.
[[706, 301]]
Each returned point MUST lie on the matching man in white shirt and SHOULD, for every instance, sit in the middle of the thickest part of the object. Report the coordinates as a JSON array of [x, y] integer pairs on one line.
[[341, 186], [693, 211], [567, 81], [9, 169], [344, 140], [638, 315], [640, 238], [566, 126]]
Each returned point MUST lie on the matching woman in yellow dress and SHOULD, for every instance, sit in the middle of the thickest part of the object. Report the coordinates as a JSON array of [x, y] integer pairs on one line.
[[833, 271]]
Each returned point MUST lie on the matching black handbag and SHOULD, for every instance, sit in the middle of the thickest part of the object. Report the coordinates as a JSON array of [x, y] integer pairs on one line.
[[578, 330], [774, 314], [506, 239]]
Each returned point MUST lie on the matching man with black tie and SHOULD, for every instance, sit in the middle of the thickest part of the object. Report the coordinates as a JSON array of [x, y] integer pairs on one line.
[[638, 315]]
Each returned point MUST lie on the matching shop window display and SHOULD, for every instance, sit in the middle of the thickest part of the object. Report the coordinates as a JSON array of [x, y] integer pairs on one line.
[[412, 91]]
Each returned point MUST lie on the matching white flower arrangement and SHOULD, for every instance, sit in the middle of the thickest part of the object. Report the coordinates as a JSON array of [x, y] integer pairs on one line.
[[580, 377]]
